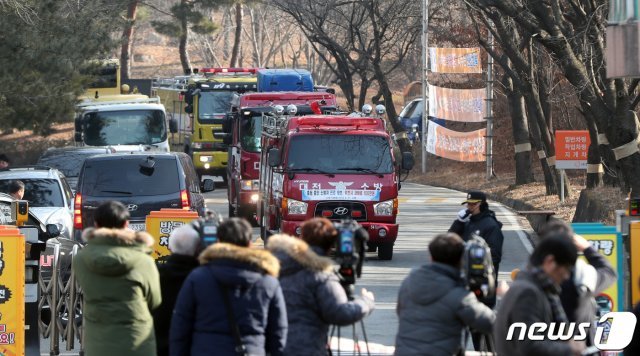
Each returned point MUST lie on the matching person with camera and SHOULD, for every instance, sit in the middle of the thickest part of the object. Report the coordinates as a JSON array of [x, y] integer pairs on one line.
[[232, 304], [534, 298], [314, 296], [185, 245], [120, 285], [434, 305]]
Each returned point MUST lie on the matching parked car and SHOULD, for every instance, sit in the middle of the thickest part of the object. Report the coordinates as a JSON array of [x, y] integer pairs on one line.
[[48, 193], [68, 160], [144, 182]]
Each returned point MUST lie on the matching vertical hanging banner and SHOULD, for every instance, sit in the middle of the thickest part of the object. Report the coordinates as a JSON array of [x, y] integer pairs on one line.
[[12, 309], [455, 60], [466, 105], [459, 146]]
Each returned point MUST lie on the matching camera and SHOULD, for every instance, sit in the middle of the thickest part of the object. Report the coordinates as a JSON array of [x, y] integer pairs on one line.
[[207, 228], [477, 268], [349, 252]]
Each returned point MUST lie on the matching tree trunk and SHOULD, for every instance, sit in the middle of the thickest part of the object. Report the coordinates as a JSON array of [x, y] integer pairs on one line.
[[184, 42], [524, 173], [549, 177], [364, 86], [235, 52], [127, 40], [225, 39]]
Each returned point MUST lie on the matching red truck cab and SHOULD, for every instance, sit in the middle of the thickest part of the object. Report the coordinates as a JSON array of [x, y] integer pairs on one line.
[[337, 167], [245, 131]]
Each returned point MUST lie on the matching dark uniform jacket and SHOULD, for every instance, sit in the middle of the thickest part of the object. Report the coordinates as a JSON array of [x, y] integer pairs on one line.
[[488, 227]]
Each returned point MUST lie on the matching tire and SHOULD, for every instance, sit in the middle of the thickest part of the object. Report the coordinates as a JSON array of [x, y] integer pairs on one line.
[[385, 251]]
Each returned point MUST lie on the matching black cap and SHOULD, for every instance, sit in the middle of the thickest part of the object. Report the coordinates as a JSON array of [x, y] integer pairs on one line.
[[475, 196]]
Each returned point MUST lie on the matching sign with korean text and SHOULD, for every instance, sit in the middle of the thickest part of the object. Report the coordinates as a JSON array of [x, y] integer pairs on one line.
[[608, 243], [466, 105], [160, 225], [634, 240], [12, 311], [572, 147], [459, 146], [455, 60]]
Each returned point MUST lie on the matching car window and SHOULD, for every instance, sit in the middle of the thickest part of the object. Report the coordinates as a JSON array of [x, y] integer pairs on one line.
[[191, 176], [126, 177], [39, 192]]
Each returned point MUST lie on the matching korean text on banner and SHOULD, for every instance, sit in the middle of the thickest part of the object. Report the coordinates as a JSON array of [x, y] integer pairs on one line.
[[459, 146], [12, 310], [160, 224], [466, 105], [608, 243], [572, 148], [455, 60]]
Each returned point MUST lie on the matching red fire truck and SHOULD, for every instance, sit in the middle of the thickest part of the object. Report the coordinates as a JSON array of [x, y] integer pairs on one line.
[[244, 134], [337, 167]]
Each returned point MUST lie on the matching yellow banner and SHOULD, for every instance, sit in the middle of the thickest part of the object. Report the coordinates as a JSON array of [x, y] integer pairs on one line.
[[606, 245], [455, 60], [160, 225], [12, 319], [467, 105], [459, 146]]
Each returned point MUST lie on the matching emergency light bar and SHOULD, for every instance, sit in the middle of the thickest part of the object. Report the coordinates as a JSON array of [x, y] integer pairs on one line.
[[229, 70], [337, 121]]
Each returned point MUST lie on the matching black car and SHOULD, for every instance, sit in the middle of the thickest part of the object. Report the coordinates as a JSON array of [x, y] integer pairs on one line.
[[69, 160], [142, 181]]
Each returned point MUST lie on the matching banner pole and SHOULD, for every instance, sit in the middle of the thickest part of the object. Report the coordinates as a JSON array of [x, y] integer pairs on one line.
[[425, 84], [489, 112]]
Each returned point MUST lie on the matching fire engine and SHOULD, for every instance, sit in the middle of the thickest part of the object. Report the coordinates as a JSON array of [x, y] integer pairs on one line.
[[333, 166], [200, 103], [243, 132]]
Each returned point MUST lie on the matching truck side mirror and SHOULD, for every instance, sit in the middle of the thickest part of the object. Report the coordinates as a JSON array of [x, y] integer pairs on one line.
[[274, 157], [188, 109], [227, 124], [78, 123], [77, 136], [173, 125], [407, 161]]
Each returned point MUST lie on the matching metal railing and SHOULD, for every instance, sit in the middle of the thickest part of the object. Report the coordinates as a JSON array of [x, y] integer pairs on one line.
[[61, 301]]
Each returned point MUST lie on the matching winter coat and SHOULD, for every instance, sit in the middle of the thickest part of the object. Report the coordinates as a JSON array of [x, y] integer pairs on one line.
[[314, 297], [490, 229], [120, 285], [525, 302], [173, 273], [433, 308], [199, 325]]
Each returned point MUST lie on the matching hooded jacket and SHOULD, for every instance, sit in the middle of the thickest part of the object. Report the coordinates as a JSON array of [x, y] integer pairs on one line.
[[489, 228], [433, 308], [199, 325], [120, 285], [313, 294]]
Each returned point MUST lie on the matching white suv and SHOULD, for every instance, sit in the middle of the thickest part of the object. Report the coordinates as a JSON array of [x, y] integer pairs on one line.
[[48, 193]]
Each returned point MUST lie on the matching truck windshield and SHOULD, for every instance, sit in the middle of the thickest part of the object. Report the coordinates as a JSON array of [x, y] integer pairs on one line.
[[250, 131], [340, 154], [130, 127], [214, 103]]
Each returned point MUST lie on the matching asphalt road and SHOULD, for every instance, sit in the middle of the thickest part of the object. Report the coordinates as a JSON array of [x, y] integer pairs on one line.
[[424, 212]]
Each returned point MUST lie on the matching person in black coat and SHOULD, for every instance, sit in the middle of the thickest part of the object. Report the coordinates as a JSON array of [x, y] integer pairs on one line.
[[184, 243], [245, 277]]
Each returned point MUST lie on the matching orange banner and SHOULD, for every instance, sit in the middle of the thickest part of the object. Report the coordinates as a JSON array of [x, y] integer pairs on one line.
[[572, 149], [12, 256], [459, 146], [467, 105], [455, 60]]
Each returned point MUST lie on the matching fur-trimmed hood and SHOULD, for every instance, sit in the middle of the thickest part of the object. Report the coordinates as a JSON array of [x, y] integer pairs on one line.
[[114, 252], [119, 236], [300, 252], [261, 259]]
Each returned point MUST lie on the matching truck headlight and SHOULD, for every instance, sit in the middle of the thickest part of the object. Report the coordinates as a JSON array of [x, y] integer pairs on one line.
[[384, 208], [250, 184], [296, 207], [205, 159]]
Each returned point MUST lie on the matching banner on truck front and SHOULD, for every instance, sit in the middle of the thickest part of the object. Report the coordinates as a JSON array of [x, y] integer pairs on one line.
[[466, 105], [459, 146], [455, 60]]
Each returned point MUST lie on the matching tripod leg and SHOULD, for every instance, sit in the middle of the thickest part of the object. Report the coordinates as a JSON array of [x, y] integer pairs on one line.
[[364, 334], [356, 344]]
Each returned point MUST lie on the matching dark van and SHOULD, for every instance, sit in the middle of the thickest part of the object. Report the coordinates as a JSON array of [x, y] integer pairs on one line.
[[142, 181]]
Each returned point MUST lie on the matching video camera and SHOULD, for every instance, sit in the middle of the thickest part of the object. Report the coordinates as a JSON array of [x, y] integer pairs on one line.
[[207, 228], [349, 252], [477, 268]]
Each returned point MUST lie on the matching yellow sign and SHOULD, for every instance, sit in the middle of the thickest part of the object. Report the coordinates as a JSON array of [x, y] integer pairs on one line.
[[607, 246], [634, 238], [12, 259], [160, 224]]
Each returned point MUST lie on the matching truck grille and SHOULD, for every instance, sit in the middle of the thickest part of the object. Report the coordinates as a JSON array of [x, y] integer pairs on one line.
[[341, 210]]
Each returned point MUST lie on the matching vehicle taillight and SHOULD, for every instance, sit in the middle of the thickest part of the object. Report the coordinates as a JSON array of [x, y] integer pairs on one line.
[[184, 197], [356, 214], [77, 212]]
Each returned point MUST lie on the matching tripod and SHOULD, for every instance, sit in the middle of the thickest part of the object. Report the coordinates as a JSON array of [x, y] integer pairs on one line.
[[356, 340], [483, 342]]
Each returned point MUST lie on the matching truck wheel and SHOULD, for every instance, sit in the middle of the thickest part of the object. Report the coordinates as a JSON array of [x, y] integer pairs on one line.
[[385, 251], [232, 211]]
